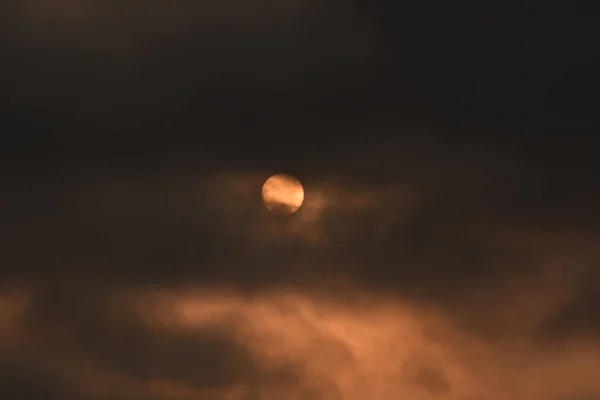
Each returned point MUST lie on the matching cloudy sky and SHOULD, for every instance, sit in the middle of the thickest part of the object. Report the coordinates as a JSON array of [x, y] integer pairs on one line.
[[449, 242]]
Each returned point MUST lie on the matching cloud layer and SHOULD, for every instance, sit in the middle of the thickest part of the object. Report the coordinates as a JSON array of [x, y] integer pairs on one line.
[[413, 276]]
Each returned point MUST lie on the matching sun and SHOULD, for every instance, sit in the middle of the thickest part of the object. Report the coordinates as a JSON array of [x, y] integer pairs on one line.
[[282, 194]]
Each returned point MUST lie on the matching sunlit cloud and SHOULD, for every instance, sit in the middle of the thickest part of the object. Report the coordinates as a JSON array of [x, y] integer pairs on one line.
[[305, 345]]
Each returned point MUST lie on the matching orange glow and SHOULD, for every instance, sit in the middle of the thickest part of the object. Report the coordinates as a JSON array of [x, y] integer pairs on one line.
[[282, 194]]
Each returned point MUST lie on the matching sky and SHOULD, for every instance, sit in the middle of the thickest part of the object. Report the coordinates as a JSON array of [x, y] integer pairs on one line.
[[448, 246]]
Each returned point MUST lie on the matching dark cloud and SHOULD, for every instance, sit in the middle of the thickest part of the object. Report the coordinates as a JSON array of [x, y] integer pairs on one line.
[[174, 58], [578, 318], [24, 382], [212, 229], [82, 324]]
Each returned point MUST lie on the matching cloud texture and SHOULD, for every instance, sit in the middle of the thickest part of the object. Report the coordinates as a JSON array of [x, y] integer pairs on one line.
[[407, 276]]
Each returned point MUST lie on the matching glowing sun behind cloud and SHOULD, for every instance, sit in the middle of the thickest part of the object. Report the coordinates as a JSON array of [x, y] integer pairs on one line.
[[282, 194]]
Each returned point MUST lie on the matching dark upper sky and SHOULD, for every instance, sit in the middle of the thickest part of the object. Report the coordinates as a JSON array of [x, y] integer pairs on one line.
[[89, 79], [448, 152]]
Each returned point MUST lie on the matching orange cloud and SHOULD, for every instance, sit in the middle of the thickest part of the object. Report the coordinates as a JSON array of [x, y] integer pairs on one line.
[[380, 349]]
